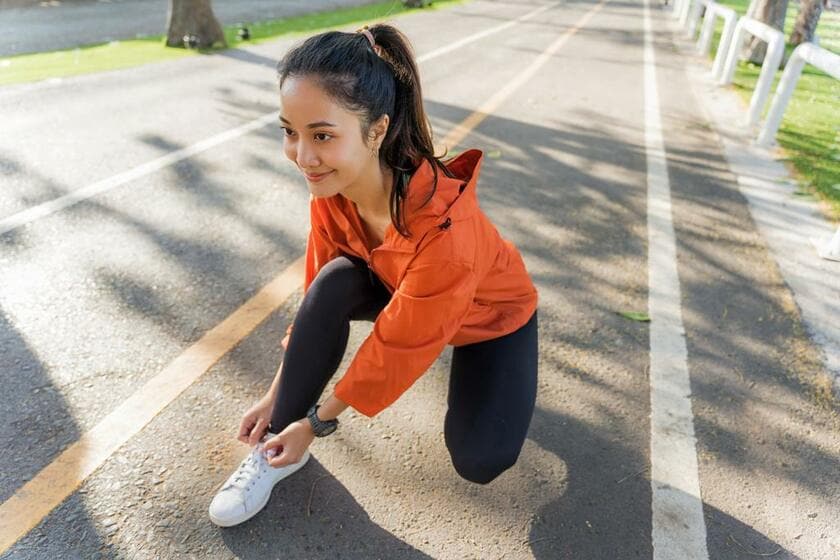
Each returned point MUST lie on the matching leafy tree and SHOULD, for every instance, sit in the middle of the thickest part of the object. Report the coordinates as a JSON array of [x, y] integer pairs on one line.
[[191, 23]]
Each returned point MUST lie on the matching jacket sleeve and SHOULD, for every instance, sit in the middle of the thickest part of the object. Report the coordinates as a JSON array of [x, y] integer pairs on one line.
[[319, 251], [423, 315]]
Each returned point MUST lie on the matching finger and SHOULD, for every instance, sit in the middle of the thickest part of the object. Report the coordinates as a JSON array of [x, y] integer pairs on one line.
[[245, 428], [274, 443], [257, 432], [285, 458]]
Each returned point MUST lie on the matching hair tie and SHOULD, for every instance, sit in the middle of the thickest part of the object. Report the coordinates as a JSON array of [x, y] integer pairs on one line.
[[376, 48]]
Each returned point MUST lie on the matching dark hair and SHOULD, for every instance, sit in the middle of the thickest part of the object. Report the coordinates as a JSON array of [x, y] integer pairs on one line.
[[349, 71]]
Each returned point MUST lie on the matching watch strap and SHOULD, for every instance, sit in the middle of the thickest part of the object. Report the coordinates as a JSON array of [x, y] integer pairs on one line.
[[320, 427]]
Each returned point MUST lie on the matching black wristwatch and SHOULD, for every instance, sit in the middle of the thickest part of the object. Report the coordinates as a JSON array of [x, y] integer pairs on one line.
[[320, 427]]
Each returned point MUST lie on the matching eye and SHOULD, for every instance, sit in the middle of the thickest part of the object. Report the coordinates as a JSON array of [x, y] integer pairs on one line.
[[317, 134], [287, 131]]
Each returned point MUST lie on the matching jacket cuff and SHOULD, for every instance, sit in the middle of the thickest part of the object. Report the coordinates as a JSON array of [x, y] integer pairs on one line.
[[345, 393]]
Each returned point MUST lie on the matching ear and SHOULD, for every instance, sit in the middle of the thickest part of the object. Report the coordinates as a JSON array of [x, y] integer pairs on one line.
[[378, 130]]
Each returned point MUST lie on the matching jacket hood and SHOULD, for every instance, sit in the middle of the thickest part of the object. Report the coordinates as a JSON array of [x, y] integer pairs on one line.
[[454, 198]]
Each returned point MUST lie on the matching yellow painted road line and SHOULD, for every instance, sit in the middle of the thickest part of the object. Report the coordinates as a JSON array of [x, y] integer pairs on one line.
[[52, 485]]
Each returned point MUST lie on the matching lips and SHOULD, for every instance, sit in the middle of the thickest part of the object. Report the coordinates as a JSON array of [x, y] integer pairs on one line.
[[316, 177]]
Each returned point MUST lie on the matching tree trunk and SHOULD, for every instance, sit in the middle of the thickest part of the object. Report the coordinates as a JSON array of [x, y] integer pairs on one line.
[[193, 18], [806, 22], [771, 12]]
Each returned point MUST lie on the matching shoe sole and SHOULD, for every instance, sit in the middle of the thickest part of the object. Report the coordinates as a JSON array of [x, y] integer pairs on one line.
[[248, 515]]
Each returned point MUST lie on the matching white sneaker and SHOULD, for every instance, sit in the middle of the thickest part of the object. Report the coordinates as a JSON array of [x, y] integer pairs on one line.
[[248, 489]]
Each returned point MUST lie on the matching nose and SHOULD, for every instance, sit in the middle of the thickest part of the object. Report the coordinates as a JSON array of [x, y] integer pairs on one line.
[[306, 157]]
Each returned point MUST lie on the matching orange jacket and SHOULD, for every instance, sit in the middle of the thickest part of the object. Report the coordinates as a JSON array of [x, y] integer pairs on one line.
[[454, 281]]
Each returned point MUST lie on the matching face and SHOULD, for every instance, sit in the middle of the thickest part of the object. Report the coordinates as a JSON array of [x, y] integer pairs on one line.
[[325, 141]]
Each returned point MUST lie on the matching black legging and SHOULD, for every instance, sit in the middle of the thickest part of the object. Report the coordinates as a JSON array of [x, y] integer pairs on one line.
[[492, 384]]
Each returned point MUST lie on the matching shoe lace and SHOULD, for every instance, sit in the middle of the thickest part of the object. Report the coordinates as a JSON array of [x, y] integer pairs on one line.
[[250, 469]]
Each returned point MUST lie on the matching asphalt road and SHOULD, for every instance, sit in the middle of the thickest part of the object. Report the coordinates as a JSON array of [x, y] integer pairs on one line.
[[33, 26], [98, 298]]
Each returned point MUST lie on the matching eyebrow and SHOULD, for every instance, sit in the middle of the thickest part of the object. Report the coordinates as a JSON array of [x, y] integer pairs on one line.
[[311, 125]]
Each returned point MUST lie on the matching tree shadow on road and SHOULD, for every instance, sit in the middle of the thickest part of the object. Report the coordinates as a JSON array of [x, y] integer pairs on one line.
[[36, 425], [36, 422], [249, 57]]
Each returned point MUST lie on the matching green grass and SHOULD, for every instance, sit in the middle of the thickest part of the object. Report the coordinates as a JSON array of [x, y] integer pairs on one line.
[[810, 130], [134, 52]]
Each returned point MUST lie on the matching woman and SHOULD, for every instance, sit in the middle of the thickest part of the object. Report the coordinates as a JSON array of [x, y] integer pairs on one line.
[[397, 238]]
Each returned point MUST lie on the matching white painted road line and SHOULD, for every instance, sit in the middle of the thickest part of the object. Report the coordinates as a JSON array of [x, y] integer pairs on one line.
[[52, 206], [481, 34], [678, 528], [45, 209]]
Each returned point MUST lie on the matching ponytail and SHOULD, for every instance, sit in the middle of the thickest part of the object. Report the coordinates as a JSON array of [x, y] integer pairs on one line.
[[373, 80]]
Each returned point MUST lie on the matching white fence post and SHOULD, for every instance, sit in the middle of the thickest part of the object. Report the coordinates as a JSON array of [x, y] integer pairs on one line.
[[704, 44], [730, 19], [678, 8], [694, 18], [685, 9], [825, 60], [775, 49]]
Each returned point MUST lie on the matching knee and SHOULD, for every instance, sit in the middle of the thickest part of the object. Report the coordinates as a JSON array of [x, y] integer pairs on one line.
[[483, 469], [336, 282], [337, 270]]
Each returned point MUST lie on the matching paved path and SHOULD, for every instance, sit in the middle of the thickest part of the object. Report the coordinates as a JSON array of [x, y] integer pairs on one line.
[[101, 297], [49, 26]]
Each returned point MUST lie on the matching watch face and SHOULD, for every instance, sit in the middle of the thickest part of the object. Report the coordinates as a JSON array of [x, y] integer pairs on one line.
[[328, 429]]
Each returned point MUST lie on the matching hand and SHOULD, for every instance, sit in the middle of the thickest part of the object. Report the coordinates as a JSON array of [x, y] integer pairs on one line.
[[290, 444], [255, 421]]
